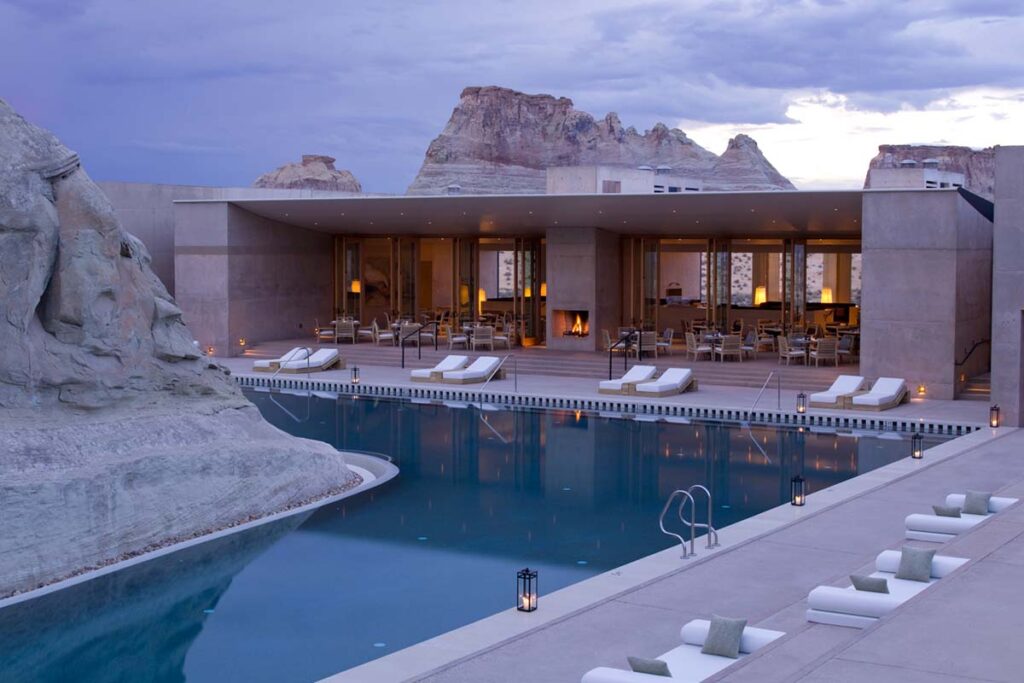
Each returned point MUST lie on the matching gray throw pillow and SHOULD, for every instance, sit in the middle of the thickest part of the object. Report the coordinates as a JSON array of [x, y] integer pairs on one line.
[[915, 564], [870, 584], [946, 510], [724, 637], [976, 502], [654, 667]]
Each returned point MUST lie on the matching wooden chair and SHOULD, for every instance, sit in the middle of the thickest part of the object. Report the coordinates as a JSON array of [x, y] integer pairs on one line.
[[408, 333], [750, 344], [324, 334], [826, 351], [506, 336], [730, 345], [381, 335], [695, 348], [346, 329], [844, 350], [648, 343], [455, 337], [483, 336], [665, 343], [788, 353]]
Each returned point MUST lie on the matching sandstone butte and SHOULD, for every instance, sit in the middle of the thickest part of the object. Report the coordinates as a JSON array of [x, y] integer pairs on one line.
[[116, 435], [977, 165], [314, 172], [501, 141]]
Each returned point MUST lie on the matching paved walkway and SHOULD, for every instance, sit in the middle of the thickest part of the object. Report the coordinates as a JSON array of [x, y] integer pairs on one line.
[[963, 628]]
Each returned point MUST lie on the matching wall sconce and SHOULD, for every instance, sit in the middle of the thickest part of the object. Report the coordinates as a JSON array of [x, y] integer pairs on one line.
[[528, 292], [993, 416], [801, 403], [543, 289], [242, 342], [760, 295], [463, 295], [209, 350], [354, 375], [797, 491], [917, 446], [355, 287], [826, 295], [526, 590], [922, 390]]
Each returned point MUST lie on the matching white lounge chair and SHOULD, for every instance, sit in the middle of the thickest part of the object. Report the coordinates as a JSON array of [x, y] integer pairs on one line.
[[481, 369], [672, 381], [687, 662], [625, 384], [887, 392], [835, 396], [941, 529], [860, 609], [321, 360], [298, 353], [435, 373]]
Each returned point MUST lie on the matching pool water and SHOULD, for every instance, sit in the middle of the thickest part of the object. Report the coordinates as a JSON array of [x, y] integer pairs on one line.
[[481, 494]]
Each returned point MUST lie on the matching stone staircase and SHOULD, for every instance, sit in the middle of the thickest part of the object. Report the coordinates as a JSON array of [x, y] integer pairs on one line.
[[977, 388]]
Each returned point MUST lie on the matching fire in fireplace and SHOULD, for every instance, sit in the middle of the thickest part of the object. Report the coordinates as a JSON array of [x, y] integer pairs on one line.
[[574, 323]]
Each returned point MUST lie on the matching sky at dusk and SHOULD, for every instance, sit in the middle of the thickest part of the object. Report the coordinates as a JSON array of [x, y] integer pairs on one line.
[[216, 92]]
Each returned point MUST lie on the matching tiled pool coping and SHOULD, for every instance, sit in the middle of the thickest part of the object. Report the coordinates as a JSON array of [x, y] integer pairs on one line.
[[448, 649]]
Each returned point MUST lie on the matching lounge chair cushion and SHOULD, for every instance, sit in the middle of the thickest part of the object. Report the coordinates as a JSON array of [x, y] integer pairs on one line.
[[654, 667], [976, 502], [724, 636], [870, 584], [946, 510], [319, 359], [886, 389], [673, 378], [450, 362], [637, 373], [995, 503], [843, 386], [915, 564]]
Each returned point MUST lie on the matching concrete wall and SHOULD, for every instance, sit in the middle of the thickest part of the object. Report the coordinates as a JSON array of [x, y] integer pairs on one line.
[[918, 250], [147, 211], [583, 267], [1008, 286], [241, 275]]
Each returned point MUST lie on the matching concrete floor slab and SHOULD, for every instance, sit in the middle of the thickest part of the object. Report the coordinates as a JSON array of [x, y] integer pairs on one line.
[[843, 671]]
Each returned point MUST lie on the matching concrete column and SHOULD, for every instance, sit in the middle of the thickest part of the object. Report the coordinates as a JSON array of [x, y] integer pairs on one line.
[[583, 274], [1008, 286]]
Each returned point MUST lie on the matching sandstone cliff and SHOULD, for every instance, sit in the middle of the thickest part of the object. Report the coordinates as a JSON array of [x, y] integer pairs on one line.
[[116, 435], [501, 141], [314, 172], [977, 165]]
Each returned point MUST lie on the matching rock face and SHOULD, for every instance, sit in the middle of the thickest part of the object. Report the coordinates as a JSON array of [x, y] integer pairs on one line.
[[314, 172], [116, 435], [501, 141], [977, 165]]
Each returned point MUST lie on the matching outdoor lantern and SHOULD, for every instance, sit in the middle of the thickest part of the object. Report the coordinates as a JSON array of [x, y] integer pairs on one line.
[[801, 403], [917, 446], [241, 342], [993, 416], [797, 491], [526, 590], [354, 375], [209, 350], [922, 390]]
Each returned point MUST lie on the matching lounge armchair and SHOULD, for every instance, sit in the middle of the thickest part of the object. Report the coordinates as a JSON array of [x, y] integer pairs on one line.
[[826, 351], [298, 353], [687, 662], [321, 360], [788, 353], [730, 345], [480, 371], [436, 373], [860, 609], [941, 529], [625, 384], [887, 392], [836, 395], [672, 381], [697, 348]]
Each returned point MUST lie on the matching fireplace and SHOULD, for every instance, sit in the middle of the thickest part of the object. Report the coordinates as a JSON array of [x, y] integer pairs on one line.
[[572, 323]]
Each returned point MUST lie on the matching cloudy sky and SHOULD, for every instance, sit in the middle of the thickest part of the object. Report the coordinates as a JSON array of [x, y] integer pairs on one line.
[[218, 91]]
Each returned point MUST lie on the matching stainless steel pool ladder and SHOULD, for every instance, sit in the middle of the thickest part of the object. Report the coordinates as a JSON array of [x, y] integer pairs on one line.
[[309, 393], [691, 524]]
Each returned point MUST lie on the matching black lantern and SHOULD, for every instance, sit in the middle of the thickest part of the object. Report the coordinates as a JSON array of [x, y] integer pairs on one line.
[[801, 403], [797, 491], [917, 446], [526, 590], [993, 416], [354, 376]]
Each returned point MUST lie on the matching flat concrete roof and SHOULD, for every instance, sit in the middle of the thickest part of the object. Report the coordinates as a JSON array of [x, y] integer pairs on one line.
[[832, 214]]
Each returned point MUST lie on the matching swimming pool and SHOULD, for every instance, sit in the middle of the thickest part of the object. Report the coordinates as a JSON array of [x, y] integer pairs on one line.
[[480, 495]]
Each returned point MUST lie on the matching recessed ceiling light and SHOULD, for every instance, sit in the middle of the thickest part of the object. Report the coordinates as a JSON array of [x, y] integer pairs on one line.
[[401, 213], [673, 210]]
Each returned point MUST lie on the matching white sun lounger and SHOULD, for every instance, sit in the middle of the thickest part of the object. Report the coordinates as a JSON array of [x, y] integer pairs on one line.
[[860, 609], [321, 360], [833, 397], [887, 392], [672, 381], [626, 383], [298, 353], [435, 373], [941, 529], [482, 368], [687, 662]]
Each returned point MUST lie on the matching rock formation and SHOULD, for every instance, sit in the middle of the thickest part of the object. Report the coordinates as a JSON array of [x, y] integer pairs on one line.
[[117, 435], [314, 172], [977, 165], [501, 141]]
